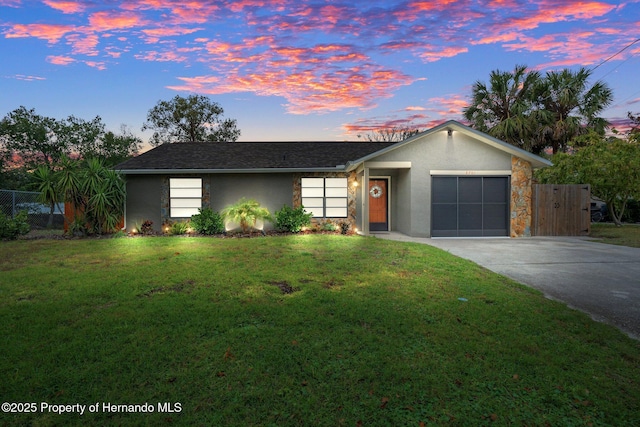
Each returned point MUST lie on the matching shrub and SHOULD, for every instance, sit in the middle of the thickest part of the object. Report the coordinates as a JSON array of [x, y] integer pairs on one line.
[[328, 226], [178, 228], [11, 228], [292, 220], [207, 222], [146, 227], [344, 227], [246, 212]]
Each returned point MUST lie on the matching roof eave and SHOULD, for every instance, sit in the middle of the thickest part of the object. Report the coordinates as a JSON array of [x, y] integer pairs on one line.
[[338, 168]]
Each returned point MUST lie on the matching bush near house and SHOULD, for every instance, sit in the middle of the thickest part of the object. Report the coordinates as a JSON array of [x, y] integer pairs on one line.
[[292, 220], [11, 228], [207, 222]]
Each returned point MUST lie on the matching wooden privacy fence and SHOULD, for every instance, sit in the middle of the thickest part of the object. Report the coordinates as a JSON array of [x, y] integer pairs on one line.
[[561, 210]]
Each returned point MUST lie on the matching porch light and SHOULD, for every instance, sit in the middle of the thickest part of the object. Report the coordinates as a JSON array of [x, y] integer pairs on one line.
[[355, 183], [449, 132]]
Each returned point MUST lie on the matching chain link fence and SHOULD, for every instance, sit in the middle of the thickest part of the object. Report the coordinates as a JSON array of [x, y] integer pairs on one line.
[[12, 202]]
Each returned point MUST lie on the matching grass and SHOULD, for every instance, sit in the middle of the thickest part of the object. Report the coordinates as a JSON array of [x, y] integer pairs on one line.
[[298, 330], [627, 235]]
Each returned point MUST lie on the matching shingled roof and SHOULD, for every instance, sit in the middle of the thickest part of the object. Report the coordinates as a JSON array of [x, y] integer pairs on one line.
[[249, 156]]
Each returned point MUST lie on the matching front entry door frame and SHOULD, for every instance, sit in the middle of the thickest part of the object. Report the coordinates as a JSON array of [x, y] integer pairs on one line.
[[387, 196]]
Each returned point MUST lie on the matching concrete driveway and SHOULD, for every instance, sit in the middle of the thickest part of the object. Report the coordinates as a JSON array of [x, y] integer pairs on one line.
[[601, 280]]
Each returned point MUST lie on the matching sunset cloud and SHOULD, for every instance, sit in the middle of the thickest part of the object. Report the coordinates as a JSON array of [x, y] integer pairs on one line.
[[65, 6], [49, 32], [60, 60], [308, 90], [321, 57]]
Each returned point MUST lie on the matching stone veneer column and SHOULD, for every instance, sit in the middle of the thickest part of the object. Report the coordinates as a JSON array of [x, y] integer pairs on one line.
[[521, 188]]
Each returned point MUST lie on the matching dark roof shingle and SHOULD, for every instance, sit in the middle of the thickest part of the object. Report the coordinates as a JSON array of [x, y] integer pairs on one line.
[[251, 155]]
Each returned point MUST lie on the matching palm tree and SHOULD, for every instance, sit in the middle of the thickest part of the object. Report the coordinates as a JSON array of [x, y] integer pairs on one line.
[[47, 184], [504, 108], [246, 213], [571, 106]]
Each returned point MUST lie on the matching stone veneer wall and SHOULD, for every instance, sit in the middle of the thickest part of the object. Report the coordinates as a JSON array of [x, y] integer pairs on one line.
[[165, 208], [351, 194], [521, 188]]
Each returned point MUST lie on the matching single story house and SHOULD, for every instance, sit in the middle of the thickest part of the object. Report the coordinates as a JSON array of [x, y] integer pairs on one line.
[[449, 181]]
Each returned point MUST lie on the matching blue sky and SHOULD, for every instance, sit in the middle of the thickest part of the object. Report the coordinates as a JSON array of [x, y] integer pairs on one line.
[[302, 70]]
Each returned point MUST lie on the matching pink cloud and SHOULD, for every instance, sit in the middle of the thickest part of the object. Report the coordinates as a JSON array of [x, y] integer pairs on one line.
[[50, 32], [65, 6], [60, 60], [307, 90], [448, 106], [108, 21], [157, 33], [84, 44], [96, 64]]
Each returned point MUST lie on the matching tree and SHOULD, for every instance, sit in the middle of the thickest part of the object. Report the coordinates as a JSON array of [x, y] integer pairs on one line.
[[32, 136], [45, 181], [191, 119], [394, 134], [96, 192], [634, 132], [505, 109], [571, 106], [33, 140], [533, 112], [610, 165]]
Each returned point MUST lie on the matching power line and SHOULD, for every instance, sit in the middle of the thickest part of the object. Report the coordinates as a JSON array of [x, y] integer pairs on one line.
[[617, 53]]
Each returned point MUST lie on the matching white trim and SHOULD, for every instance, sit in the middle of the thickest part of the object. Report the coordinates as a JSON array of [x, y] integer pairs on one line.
[[387, 165], [452, 172]]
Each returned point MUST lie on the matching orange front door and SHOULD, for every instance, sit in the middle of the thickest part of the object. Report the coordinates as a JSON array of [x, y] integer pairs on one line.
[[378, 204]]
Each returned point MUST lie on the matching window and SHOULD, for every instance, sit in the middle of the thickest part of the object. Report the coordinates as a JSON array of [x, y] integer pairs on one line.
[[185, 196], [325, 197]]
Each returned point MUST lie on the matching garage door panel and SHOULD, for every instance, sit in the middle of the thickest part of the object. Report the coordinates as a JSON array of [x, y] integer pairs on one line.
[[470, 206], [445, 215], [470, 216], [444, 189], [495, 189], [470, 190], [494, 215]]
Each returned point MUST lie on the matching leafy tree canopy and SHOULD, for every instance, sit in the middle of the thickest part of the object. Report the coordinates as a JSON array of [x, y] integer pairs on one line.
[[35, 140], [191, 119], [610, 165]]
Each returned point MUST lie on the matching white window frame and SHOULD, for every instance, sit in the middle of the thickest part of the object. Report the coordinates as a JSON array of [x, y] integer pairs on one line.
[[185, 197], [325, 197]]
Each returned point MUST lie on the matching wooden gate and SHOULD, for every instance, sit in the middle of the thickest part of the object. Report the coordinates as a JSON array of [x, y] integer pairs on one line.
[[561, 210]]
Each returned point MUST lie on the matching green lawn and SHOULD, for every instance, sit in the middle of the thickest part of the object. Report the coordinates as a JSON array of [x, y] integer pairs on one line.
[[300, 330], [627, 235]]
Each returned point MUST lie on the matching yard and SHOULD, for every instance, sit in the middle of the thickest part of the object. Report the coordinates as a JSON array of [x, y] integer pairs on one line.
[[297, 330], [628, 235]]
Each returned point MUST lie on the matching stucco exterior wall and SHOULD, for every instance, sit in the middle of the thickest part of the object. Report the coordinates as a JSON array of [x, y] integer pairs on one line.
[[272, 191], [143, 201], [438, 152]]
